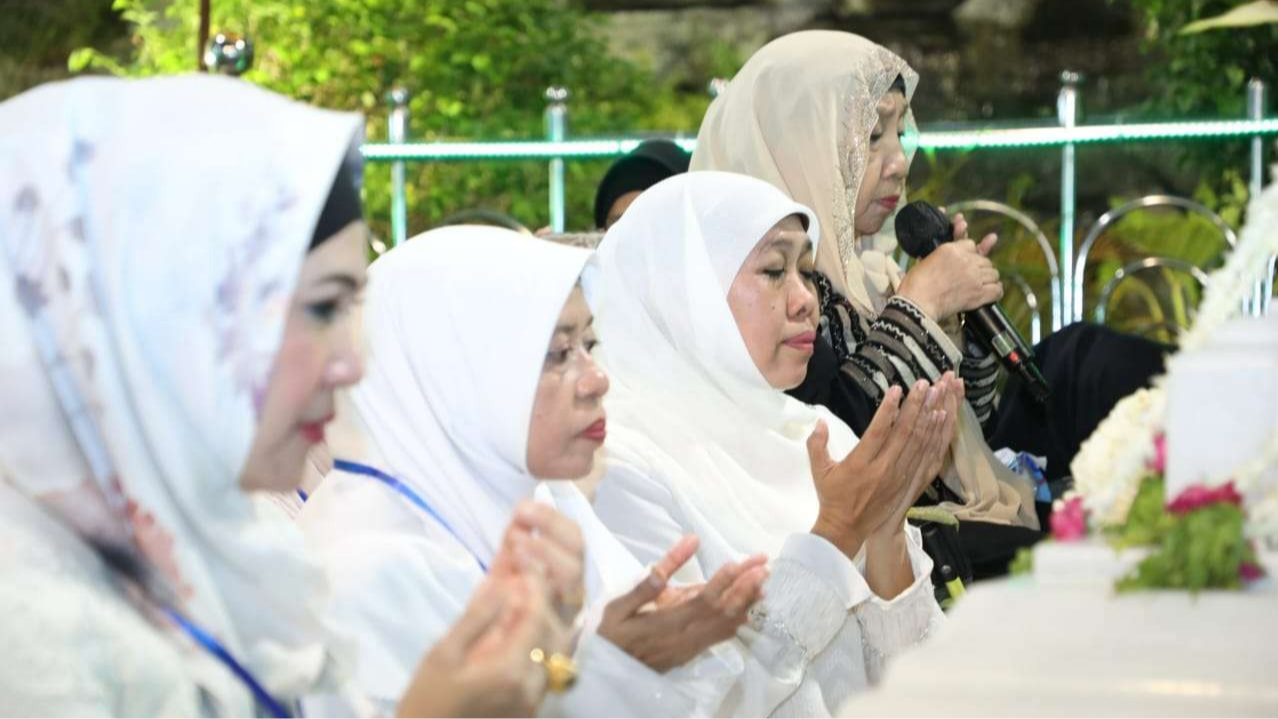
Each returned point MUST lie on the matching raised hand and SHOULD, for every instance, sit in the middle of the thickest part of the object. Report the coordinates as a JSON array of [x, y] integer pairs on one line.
[[869, 491], [664, 627], [958, 276], [482, 666], [540, 536]]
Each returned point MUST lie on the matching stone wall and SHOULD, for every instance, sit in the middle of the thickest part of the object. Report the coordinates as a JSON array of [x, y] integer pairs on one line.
[[997, 60], [978, 58]]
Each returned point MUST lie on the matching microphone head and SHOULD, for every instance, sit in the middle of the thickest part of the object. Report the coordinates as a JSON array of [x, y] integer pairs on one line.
[[920, 227]]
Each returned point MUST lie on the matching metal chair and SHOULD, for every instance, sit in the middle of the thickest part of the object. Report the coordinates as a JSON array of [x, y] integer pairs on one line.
[[1145, 265], [1109, 218]]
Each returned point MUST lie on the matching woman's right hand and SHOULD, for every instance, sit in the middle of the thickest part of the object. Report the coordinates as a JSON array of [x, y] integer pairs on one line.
[[863, 493], [483, 667], [956, 277], [541, 537], [665, 627]]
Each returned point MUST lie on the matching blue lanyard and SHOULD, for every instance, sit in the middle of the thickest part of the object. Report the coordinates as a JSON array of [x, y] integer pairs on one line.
[[409, 494], [206, 640], [302, 495]]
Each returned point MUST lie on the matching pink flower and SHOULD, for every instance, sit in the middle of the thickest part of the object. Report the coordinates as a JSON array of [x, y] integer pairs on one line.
[[1069, 520], [1250, 572], [1159, 463], [1198, 496]]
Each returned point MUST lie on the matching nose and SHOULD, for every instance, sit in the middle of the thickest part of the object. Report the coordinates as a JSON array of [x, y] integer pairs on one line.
[[895, 165], [801, 301], [345, 367], [593, 382]]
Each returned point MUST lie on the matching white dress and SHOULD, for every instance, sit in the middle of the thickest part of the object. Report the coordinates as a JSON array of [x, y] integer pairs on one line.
[[73, 644], [820, 634], [376, 546]]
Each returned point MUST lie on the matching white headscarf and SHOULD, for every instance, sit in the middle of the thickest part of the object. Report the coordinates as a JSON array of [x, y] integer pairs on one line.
[[443, 409], [799, 115], [688, 406], [151, 233]]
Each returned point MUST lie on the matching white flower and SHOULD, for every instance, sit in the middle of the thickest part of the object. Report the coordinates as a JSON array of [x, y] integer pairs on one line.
[[1110, 464]]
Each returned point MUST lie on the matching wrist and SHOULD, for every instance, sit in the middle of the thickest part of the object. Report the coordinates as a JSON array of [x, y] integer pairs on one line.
[[924, 305], [888, 539], [844, 535]]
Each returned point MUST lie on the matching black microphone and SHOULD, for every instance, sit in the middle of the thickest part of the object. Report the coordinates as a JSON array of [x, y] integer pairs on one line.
[[920, 228]]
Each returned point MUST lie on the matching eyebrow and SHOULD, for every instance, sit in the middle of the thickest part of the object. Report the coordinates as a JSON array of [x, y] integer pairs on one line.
[[784, 243], [347, 281], [568, 329]]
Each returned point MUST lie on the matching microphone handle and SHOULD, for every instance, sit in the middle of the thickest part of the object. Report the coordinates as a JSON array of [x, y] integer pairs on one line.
[[990, 328], [1010, 328]]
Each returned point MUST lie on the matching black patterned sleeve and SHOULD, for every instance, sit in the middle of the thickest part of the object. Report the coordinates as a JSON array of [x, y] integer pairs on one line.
[[900, 346], [979, 371]]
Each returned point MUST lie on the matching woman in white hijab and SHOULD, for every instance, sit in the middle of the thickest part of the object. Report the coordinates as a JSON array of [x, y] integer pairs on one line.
[[450, 435], [707, 313], [171, 345], [824, 116]]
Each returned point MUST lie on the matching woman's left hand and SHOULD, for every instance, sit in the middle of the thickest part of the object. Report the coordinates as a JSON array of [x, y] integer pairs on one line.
[[985, 246], [665, 627], [540, 538], [927, 462]]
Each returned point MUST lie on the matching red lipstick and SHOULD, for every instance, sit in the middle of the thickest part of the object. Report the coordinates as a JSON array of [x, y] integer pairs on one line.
[[596, 432], [889, 202], [314, 431]]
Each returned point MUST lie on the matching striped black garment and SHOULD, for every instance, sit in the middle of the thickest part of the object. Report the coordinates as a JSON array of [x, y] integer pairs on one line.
[[899, 347]]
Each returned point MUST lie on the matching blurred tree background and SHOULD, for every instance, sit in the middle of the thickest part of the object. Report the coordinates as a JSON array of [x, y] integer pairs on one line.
[[478, 69], [475, 69]]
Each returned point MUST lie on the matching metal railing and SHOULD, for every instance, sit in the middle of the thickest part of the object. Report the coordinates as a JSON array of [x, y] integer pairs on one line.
[[1067, 134]]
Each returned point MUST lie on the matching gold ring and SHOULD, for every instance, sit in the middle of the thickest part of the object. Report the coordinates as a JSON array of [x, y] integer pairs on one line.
[[561, 671]]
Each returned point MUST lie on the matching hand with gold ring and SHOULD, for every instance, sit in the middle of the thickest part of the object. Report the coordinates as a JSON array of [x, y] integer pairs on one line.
[[541, 538], [561, 670], [482, 667]]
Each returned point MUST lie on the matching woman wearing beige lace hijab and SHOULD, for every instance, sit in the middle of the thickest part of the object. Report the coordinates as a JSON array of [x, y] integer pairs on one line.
[[825, 117]]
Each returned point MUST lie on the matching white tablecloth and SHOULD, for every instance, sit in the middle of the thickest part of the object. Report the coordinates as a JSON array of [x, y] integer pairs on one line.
[[1015, 648]]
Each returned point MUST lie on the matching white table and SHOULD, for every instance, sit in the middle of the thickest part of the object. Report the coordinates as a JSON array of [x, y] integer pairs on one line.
[[1018, 648]]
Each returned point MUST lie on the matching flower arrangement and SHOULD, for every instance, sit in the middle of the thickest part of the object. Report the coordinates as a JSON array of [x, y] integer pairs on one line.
[[1196, 540], [1203, 537]]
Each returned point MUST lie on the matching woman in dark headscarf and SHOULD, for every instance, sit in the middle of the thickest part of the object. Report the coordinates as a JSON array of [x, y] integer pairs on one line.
[[649, 163]]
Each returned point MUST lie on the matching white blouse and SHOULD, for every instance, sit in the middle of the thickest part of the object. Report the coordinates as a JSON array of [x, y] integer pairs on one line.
[[73, 644], [399, 581], [819, 636]]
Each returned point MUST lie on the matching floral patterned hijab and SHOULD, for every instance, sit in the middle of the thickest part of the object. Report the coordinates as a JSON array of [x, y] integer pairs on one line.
[[151, 234], [799, 115]]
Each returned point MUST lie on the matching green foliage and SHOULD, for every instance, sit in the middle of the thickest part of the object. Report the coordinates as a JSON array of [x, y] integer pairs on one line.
[[476, 69], [1147, 521], [1205, 75], [1201, 549], [36, 35]]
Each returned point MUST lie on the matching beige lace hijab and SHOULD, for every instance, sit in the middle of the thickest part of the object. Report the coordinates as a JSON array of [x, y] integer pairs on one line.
[[799, 115]]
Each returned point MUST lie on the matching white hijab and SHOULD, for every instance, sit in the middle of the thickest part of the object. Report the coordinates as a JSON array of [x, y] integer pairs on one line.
[[688, 407], [799, 115], [151, 233], [443, 408]]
